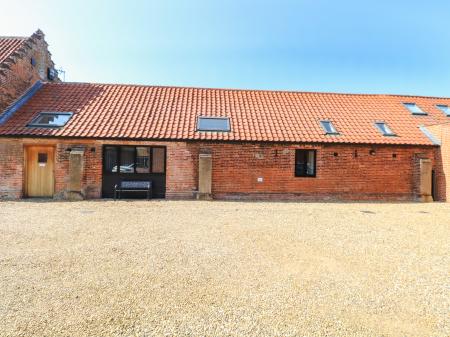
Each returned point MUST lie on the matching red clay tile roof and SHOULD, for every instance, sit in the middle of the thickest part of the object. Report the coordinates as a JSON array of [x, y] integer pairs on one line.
[[8, 45], [153, 112]]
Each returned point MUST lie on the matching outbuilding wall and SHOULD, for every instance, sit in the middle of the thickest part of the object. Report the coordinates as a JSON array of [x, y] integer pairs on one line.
[[344, 172]]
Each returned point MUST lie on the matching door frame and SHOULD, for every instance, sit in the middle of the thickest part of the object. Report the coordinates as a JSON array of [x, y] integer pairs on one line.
[[26, 148]]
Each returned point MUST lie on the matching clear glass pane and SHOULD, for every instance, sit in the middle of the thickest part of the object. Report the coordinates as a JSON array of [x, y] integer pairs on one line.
[[413, 108], [213, 124], [52, 119], [110, 163], [445, 109], [158, 160], [127, 159], [310, 164], [142, 160]]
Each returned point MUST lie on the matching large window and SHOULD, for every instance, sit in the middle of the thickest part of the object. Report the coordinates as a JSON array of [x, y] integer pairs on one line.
[[305, 163], [134, 159]]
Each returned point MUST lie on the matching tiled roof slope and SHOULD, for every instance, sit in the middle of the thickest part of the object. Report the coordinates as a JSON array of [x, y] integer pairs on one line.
[[153, 112], [8, 45]]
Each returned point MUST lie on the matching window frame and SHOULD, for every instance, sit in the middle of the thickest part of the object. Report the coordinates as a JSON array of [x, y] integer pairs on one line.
[[314, 175], [422, 113], [322, 124], [119, 160], [34, 124], [441, 107], [391, 134], [213, 130]]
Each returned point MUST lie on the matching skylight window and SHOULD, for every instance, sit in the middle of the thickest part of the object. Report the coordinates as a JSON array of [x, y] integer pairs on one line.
[[329, 128], [213, 124], [414, 109], [51, 119], [384, 129], [444, 108]]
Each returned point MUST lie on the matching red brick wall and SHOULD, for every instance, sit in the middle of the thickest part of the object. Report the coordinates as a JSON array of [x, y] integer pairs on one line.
[[354, 174], [442, 133], [21, 73], [11, 170]]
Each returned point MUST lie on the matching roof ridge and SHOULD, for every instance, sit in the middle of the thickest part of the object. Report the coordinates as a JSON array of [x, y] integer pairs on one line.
[[248, 90], [14, 37]]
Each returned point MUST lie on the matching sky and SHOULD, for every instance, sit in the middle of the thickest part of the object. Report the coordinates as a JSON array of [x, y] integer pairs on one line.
[[392, 47]]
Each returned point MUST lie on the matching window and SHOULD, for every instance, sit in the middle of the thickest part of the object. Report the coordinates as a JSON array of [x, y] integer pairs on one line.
[[110, 161], [42, 158], [142, 160], [305, 163], [221, 124], [51, 119], [127, 161], [328, 128], [384, 129], [134, 159], [51, 74], [414, 109], [444, 108]]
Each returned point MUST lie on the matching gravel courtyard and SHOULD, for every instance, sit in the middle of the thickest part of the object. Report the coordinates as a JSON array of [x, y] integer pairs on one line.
[[186, 268]]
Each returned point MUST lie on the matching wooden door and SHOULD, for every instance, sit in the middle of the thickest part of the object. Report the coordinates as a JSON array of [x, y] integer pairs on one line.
[[40, 175]]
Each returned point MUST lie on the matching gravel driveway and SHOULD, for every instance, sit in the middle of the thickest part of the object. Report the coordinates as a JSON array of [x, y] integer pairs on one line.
[[138, 268]]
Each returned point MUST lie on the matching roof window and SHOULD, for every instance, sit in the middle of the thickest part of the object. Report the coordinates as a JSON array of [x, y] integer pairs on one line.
[[213, 124], [329, 128], [414, 109], [50, 119], [384, 129], [444, 108]]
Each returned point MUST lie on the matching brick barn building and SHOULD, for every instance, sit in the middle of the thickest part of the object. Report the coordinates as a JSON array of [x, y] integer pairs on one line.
[[78, 140]]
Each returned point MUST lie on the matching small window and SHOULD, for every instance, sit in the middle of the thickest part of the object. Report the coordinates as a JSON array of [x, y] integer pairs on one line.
[[42, 158], [384, 129], [51, 119], [305, 163], [444, 108], [33, 61], [51, 73], [217, 124], [328, 128], [414, 109]]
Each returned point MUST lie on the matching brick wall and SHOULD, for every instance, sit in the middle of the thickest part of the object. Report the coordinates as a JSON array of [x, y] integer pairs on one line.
[[11, 170], [442, 133], [18, 74], [344, 172]]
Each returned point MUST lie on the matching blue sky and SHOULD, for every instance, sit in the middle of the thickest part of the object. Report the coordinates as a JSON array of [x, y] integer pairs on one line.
[[307, 45]]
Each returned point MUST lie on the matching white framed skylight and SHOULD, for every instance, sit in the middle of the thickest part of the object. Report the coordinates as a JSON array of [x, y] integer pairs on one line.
[[50, 119], [213, 124]]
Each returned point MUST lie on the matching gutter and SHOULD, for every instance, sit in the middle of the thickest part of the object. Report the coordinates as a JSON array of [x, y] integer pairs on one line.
[[18, 103]]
